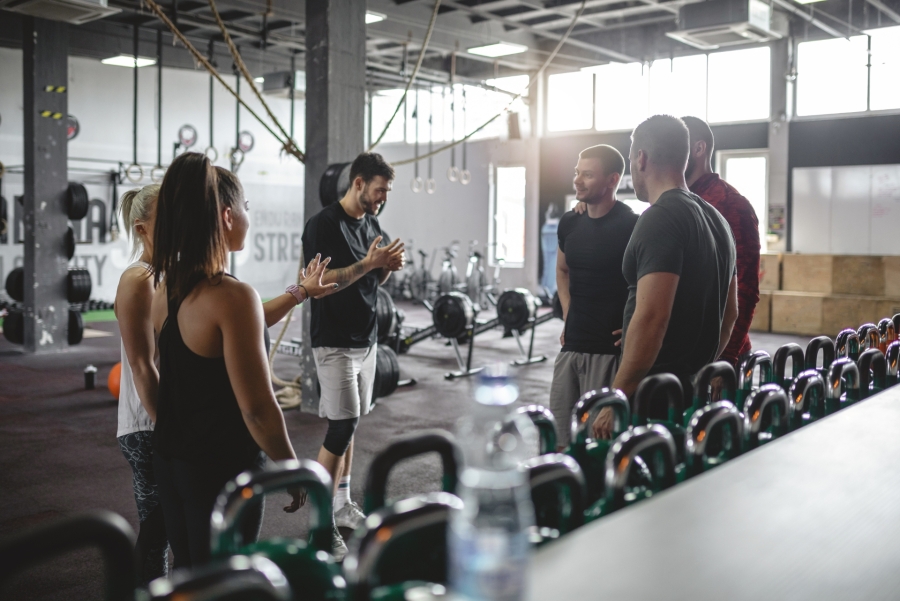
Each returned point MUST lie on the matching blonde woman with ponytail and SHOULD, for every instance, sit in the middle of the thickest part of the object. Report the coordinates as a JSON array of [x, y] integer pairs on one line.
[[139, 382]]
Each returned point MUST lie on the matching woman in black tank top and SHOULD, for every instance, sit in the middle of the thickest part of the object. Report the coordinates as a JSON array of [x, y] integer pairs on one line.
[[216, 410]]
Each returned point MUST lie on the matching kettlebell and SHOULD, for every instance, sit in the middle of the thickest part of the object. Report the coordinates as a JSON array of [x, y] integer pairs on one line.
[[659, 399], [765, 415], [892, 356], [872, 373], [558, 493], [821, 345], [846, 344], [545, 423], [807, 399], [702, 391], [309, 566], [756, 360], [841, 385], [791, 351], [715, 434]]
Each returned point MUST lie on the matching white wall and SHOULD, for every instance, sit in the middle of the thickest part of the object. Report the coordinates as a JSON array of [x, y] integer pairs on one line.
[[458, 212], [101, 97]]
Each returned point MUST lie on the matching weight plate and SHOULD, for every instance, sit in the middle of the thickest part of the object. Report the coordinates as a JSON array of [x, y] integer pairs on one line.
[[69, 242], [77, 201], [14, 326], [385, 315], [387, 372], [453, 314], [72, 127], [515, 308], [187, 135], [76, 327], [334, 183], [78, 285], [15, 284]]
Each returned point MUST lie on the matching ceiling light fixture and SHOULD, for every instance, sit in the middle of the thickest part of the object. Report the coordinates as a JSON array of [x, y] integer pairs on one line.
[[259, 79], [808, 1], [374, 17], [127, 60], [498, 49]]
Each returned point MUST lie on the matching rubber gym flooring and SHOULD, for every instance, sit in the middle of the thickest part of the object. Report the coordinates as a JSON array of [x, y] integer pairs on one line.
[[59, 454]]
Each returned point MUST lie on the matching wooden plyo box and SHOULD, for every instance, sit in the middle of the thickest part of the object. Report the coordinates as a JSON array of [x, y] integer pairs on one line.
[[891, 276], [833, 274], [769, 272], [762, 317], [817, 314]]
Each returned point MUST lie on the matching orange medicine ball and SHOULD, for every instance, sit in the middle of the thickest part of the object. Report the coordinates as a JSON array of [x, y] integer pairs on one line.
[[113, 382]]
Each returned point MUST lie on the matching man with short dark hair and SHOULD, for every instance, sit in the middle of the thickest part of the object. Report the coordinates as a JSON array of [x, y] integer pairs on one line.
[[679, 265], [739, 214], [342, 326], [589, 279]]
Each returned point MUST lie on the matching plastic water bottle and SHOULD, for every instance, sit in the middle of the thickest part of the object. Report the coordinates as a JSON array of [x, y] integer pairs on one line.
[[489, 538]]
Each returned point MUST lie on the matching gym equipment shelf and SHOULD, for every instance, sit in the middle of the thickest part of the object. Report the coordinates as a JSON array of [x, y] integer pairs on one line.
[[809, 516]]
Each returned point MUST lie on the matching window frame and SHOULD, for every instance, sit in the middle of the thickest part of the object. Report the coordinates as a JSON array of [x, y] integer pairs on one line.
[[492, 215]]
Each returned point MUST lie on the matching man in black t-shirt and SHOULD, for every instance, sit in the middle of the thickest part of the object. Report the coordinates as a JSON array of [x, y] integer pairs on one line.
[[680, 268], [342, 326], [589, 278]]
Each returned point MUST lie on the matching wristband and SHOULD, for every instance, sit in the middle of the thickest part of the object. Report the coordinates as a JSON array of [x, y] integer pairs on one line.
[[294, 290]]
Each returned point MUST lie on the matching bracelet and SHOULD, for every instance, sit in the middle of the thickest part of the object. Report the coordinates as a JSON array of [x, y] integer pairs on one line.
[[294, 290], [305, 291]]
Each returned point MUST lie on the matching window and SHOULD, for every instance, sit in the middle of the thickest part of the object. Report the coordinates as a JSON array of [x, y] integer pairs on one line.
[[570, 101], [678, 87], [748, 173], [740, 90], [508, 228], [383, 105], [885, 75], [832, 76], [622, 95]]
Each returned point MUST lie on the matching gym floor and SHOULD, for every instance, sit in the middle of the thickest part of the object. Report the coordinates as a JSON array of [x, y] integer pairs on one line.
[[59, 454]]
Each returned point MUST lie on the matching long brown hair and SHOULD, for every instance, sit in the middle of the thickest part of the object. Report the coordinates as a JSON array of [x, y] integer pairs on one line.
[[188, 240]]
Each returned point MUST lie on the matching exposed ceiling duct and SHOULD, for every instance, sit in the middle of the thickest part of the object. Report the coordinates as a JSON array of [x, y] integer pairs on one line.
[[717, 23], [75, 12]]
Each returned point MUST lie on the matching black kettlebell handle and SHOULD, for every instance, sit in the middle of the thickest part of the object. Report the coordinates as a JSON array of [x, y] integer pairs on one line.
[[719, 369], [868, 336], [705, 420], [653, 387], [247, 488], [598, 399], [755, 409], [760, 359], [847, 344], [807, 388], [872, 366], [886, 331], [892, 356], [545, 423], [841, 370], [430, 441], [896, 321], [791, 351], [560, 471], [620, 460], [820, 344], [105, 530], [236, 578]]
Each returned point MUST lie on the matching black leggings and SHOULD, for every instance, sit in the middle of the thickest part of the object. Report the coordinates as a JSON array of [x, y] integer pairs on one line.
[[187, 493]]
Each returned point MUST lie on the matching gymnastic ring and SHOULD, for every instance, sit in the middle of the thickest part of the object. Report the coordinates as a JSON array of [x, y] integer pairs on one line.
[[237, 156], [157, 174], [211, 153], [416, 184], [453, 173], [130, 171], [465, 176], [430, 185]]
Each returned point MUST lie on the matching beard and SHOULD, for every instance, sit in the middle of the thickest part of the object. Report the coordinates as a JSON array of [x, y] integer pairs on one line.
[[691, 165], [367, 203]]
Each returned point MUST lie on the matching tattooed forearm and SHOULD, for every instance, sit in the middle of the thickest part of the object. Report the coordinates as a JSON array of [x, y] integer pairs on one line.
[[344, 276]]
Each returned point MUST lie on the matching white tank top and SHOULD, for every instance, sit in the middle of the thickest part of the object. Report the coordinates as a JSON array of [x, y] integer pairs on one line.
[[132, 415]]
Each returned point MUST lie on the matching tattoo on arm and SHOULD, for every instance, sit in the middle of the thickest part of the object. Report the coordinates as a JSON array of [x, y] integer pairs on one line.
[[344, 276]]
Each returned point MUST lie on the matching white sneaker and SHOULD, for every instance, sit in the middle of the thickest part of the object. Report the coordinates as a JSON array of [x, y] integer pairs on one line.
[[349, 516], [338, 546]]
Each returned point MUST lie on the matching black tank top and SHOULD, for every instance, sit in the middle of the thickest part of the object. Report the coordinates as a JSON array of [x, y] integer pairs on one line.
[[197, 415]]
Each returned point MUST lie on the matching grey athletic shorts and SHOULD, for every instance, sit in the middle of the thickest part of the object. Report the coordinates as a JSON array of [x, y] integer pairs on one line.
[[346, 376], [573, 375]]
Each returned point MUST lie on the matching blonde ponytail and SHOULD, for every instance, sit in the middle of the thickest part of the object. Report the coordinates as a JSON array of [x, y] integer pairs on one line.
[[138, 204]]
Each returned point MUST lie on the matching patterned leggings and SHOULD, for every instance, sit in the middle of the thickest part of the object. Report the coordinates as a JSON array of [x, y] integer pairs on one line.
[[152, 543]]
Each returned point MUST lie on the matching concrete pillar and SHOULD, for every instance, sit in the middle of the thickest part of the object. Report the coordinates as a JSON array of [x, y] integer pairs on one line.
[[45, 66], [779, 120], [335, 117]]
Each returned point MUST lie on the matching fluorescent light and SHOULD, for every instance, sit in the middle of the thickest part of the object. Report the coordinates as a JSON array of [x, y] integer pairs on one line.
[[259, 79], [808, 1], [127, 60], [374, 17], [498, 49]]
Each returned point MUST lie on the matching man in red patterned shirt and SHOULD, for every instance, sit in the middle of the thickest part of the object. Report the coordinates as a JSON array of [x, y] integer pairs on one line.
[[740, 215]]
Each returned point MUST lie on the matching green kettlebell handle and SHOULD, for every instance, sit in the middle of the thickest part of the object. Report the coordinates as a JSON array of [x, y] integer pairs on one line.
[[872, 367], [620, 460], [760, 359], [104, 530], [791, 351], [807, 395], [705, 420], [598, 399], [248, 487], [430, 441], [765, 398], [659, 386], [823, 345], [545, 423], [719, 369], [562, 472], [847, 344]]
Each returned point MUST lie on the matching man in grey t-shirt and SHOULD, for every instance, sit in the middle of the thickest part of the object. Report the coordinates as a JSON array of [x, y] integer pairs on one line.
[[679, 266]]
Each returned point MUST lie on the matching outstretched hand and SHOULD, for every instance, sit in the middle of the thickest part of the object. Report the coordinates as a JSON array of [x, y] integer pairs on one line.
[[312, 278]]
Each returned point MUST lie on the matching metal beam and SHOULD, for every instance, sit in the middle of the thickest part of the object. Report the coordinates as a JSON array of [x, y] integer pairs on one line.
[[794, 9], [887, 10], [618, 56]]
